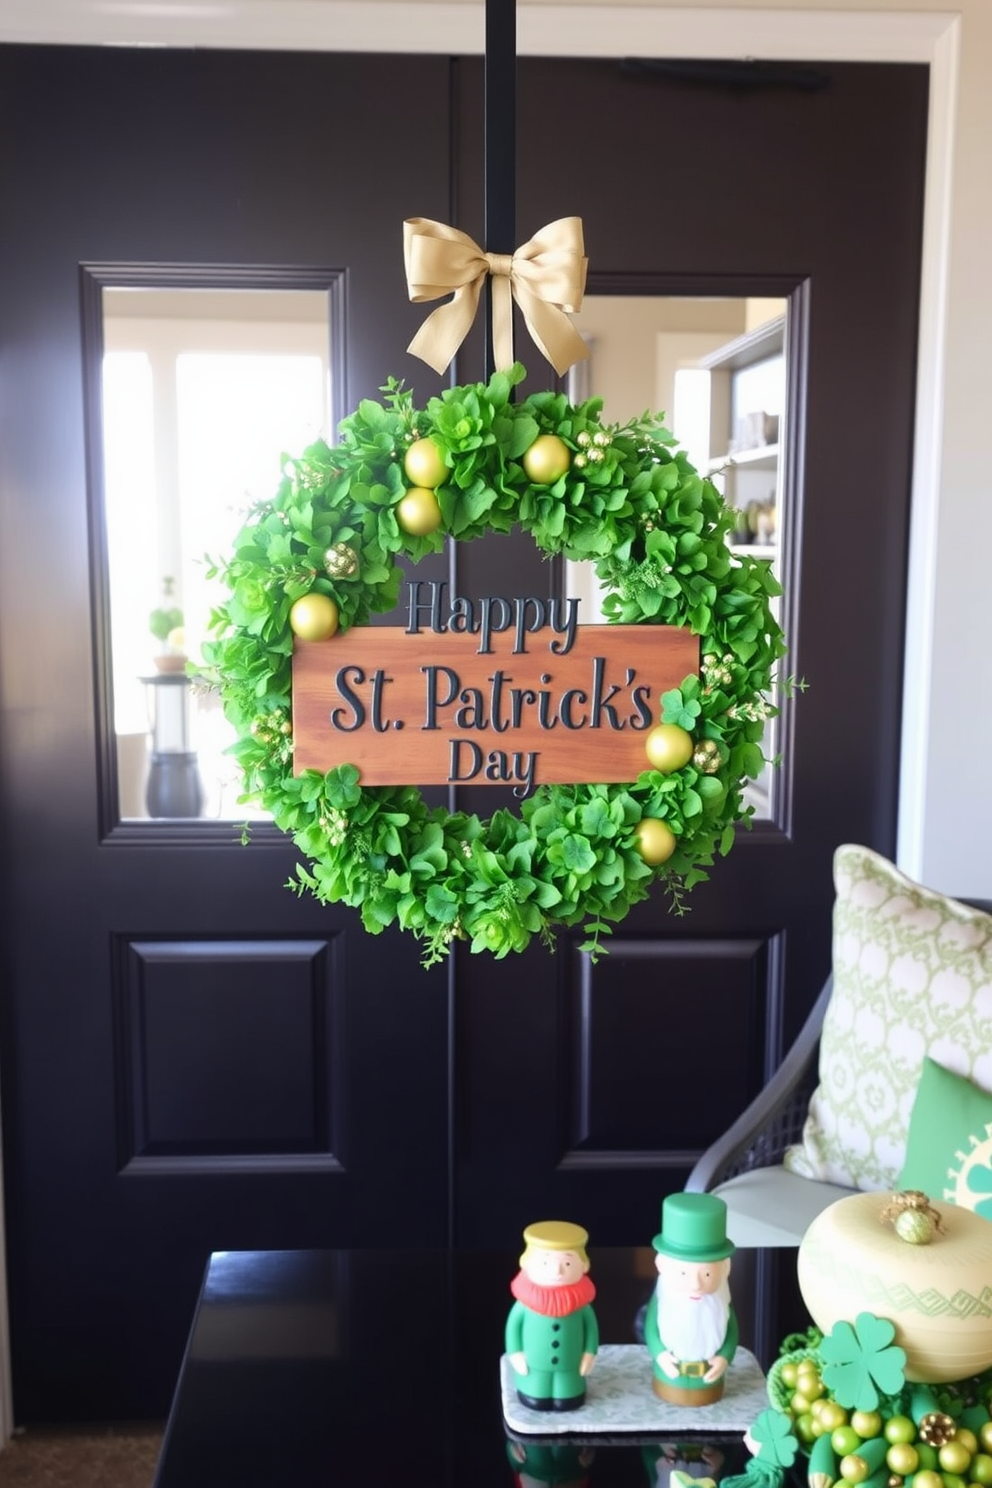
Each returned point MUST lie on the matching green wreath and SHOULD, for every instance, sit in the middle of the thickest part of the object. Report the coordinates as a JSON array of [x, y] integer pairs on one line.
[[658, 534]]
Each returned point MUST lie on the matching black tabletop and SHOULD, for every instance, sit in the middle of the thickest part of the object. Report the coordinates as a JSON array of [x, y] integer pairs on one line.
[[340, 1369]]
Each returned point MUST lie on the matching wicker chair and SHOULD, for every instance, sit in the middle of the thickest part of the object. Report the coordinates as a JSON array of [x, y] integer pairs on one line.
[[768, 1206]]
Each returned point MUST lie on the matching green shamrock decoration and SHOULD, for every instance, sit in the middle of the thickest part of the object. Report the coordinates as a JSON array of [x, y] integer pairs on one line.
[[861, 1362], [776, 1441]]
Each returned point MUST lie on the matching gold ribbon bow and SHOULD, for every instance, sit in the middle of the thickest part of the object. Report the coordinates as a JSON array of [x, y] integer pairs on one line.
[[546, 277]]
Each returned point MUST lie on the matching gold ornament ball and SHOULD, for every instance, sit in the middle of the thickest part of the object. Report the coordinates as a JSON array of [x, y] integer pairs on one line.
[[424, 464], [668, 747], [341, 561], [655, 840], [954, 1457], [914, 1226], [418, 512], [547, 459], [706, 756], [902, 1458], [314, 617]]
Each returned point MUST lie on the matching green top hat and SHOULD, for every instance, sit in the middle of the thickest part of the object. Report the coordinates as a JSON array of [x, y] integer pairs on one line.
[[694, 1228]]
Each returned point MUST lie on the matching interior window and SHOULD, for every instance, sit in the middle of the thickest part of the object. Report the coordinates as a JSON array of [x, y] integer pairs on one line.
[[715, 368], [203, 391]]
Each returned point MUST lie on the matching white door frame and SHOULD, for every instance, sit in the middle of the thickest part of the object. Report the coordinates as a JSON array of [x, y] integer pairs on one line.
[[605, 30]]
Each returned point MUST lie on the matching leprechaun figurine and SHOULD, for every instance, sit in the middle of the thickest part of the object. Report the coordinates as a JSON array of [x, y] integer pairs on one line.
[[551, 1332], [560, 1464], [690, 1327]]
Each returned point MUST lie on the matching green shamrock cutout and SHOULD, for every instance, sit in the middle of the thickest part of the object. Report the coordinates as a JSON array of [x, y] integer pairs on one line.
[[776, 1441], [861, 1362]]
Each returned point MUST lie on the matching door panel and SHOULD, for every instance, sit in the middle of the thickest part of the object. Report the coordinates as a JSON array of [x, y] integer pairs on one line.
[[712, 189], [194, 1059]]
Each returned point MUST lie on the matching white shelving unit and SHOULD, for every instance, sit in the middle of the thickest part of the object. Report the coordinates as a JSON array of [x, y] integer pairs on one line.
[[747, 406], [763, 457], [747, 396]]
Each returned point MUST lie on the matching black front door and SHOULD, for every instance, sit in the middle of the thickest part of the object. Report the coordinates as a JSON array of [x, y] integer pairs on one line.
[[194, 1059]]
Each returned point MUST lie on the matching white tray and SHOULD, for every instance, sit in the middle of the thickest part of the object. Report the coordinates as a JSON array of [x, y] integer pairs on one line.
[[619, 1398]]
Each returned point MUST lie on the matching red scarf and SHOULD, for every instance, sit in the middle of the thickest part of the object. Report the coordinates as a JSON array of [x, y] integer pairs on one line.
[[553, 1301]]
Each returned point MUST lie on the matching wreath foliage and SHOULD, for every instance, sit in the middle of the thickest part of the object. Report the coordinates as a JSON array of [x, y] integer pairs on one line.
[[657, 532]]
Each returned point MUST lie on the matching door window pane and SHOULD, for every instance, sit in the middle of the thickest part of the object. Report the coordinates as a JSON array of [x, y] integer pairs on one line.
[[204, 391], [716, 369]]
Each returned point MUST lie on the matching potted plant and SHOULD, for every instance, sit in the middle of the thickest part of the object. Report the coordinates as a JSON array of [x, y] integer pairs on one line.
[[166, 624]]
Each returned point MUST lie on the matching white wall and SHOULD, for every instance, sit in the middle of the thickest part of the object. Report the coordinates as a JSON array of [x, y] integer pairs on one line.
[[946, 799], [624, 368]]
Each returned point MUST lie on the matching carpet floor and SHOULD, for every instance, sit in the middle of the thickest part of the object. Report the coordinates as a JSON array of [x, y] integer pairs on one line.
[[81, 1457]]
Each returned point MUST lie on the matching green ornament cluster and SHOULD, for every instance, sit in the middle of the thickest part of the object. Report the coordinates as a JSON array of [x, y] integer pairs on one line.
[[844, 1400], [657, 532]]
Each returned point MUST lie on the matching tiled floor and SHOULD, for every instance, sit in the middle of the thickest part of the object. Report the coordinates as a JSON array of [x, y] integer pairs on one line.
[[81, 1457]]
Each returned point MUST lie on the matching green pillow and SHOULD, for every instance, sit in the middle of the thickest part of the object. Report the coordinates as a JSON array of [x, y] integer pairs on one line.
[[912, 976], [949, 1147]]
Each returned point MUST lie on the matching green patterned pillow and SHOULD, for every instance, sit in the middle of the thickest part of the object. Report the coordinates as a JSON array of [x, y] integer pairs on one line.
[[949, 1149], [912, 977]]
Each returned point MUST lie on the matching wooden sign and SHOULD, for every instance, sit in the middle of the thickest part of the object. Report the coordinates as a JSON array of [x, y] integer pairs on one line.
[[487, 692]]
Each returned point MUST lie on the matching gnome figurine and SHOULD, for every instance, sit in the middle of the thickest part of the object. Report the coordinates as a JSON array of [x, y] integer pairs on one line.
[[690, 1327], [551, 1332]]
